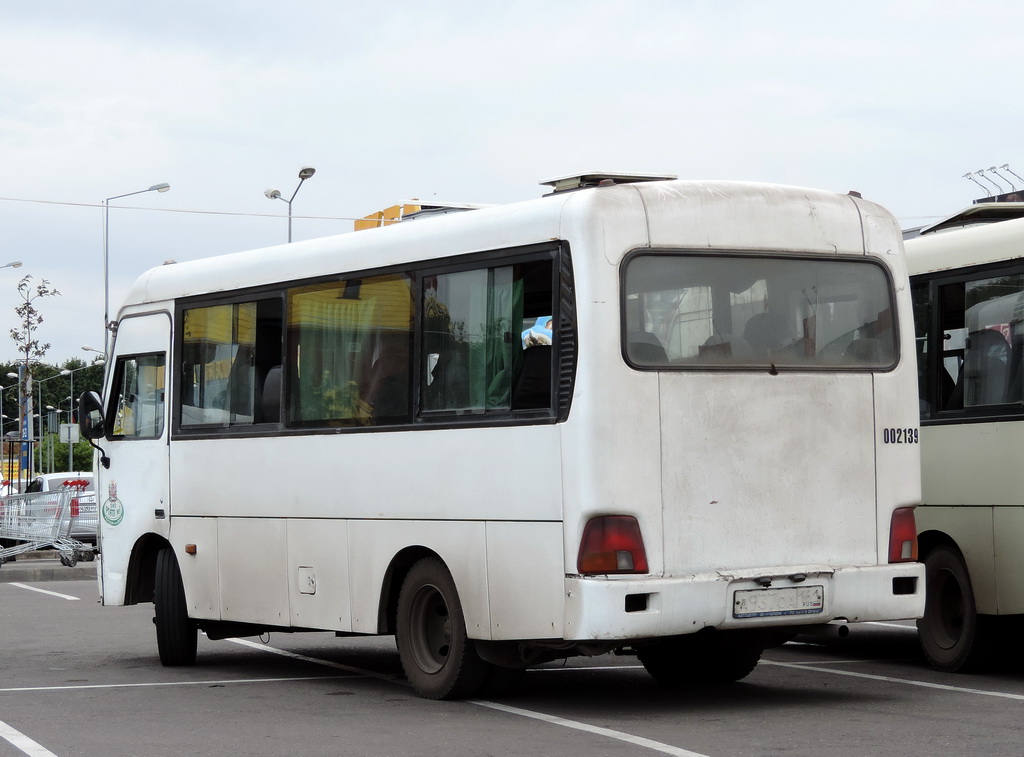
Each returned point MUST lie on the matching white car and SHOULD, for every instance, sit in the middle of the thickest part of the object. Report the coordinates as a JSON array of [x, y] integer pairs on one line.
[[85, 511]]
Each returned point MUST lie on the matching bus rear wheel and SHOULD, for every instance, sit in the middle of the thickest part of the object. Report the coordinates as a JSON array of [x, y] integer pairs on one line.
[[439, 659], [701, 659], [176, 633], [950, 631]]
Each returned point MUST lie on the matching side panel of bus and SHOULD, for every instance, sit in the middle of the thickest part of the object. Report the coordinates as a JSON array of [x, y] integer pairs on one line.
[[327, 558], [134, 493]]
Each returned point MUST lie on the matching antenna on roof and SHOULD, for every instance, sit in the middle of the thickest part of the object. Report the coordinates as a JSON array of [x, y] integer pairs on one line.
[[996, 184], [1006, 167], [970, 176], [1002, 178], [981, 172]]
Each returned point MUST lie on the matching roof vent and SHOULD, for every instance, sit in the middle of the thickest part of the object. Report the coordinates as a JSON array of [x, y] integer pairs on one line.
[[601, 179]]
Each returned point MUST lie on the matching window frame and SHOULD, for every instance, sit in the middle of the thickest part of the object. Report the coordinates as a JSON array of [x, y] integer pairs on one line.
[[758, 255], [116, 391], [933, 282], [563, 345], [204, 301]]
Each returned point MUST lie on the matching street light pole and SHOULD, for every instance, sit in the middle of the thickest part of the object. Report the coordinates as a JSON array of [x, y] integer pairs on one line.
[[106, 256], [42, 407], [275, 194], [10, 446], [70, 372]]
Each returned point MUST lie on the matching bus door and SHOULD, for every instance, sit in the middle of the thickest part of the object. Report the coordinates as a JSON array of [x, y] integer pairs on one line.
[[134, 490]]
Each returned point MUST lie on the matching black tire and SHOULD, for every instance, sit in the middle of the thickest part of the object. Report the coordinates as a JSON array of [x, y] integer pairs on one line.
[[176, 633], [439, 659], [701, 659], [950, 633]]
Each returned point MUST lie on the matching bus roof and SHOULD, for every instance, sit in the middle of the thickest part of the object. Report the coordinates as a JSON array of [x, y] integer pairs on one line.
[[964, 246], [978, 213], [678, 213]]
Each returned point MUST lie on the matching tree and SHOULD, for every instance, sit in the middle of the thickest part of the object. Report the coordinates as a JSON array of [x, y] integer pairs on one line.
[[29, 346], [30, 319]]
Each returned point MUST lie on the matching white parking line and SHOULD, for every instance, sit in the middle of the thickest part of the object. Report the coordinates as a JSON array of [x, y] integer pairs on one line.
[[23, 743], [891, 625], [315, 660], [657, 746], [890, 679], [159, 684], [579, 726], [43, 591]]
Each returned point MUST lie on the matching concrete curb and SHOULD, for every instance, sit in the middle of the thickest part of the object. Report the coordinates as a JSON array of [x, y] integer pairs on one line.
[[35, 567]]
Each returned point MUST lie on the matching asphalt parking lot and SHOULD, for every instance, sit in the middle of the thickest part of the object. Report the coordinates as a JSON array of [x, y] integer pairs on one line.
[[81, 679]]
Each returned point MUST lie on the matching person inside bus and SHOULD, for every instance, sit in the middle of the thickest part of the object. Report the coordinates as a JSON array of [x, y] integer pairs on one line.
[[766, 332]]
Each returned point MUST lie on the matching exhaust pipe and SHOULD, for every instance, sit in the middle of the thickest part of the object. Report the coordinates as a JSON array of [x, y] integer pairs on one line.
[[826, 631]]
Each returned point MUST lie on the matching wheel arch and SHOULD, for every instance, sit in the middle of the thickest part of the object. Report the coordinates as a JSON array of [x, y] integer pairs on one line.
[[140, 585], [391, 585], [929, 540]]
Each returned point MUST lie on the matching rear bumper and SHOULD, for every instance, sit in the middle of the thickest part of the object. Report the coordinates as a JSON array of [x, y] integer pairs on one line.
[[623, 608]]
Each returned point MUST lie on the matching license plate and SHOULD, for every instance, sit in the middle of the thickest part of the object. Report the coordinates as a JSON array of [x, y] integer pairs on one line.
[[763, 603]]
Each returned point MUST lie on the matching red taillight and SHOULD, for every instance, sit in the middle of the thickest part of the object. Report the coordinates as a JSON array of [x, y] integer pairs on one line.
[[612, 544], [903, 535]]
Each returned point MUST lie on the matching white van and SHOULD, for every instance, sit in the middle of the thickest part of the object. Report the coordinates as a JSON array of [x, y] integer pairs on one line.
[[713, 449]]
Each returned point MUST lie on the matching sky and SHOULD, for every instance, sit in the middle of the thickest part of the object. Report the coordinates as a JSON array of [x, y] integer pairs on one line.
[[460, 101]]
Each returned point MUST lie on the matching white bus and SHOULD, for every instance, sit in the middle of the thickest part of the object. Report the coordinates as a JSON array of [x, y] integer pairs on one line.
[[967, 281], [674, 418]]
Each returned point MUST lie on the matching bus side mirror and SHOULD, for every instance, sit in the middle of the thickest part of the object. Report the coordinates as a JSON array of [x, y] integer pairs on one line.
[[90, 415]]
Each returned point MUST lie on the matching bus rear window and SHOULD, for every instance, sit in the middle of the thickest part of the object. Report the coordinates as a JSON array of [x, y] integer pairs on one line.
[[698, 311]]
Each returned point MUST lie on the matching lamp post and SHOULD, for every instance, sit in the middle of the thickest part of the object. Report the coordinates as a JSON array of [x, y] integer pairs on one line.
[[106, 255], [7, 448], [49, 447], [275, 194], [12, 264], [41, 436], [70, 372], [24, 420]]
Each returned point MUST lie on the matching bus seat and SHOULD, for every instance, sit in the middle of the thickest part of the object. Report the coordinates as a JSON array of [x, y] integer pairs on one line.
[[645, 348], [387, 389], [723, 346], [270, 402], [1013, 388], [532, 387], [865, 351], [986, 367], [765, 332]]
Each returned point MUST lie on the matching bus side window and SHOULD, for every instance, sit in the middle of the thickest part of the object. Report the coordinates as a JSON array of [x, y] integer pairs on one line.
[[350, 352], [138, 398], [227, 352], [951, 352], [483, 348], [982, 338], [532, 387]]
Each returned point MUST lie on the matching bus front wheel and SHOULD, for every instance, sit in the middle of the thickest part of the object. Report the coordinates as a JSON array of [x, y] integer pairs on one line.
[[176, 633], [439, 659], [950, 631]]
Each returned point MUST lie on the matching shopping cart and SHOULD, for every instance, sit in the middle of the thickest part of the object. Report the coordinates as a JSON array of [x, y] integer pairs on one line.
[[44, 520]]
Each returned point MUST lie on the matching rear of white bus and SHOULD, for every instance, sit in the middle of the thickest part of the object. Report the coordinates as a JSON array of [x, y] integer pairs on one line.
[[750, 458]]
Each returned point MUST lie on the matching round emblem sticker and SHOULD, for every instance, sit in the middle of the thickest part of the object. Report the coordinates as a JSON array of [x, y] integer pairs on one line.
[[113, 510]]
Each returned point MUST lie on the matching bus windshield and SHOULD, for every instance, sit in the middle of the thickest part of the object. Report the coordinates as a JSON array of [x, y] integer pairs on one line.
[[695, 311]]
